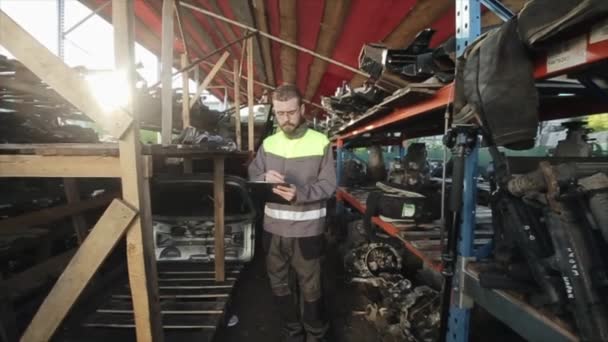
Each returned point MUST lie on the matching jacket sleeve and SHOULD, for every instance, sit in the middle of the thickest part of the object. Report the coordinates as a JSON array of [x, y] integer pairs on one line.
[[257, 167], [325, 185]]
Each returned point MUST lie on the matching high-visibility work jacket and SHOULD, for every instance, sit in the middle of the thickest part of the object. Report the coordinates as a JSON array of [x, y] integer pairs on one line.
[[306, 161]]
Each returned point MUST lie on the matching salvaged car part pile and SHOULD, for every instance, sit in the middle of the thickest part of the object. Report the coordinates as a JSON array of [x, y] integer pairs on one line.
[[397, 77], [33, 113], [405, 311]]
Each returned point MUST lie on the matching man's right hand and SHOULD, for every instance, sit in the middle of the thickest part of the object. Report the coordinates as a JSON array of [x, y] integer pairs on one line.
[[274, 177]]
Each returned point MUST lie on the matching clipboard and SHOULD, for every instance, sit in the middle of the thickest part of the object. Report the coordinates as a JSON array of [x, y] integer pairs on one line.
[[264, 190]]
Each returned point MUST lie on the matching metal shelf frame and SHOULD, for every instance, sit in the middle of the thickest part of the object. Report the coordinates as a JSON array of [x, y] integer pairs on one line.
[[520, 316]]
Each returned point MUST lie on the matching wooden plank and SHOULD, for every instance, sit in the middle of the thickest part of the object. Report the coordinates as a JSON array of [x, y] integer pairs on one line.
[[48, 215], [63, 149], [218, 196], [288, 32], [166, 71], [185, 93], [72, 195], [262, 25], [140, 247], [237, 105], [250, 77], [185, 97], [59, 166], [334, 14], [209, 78], [65, 81], [100, 242]]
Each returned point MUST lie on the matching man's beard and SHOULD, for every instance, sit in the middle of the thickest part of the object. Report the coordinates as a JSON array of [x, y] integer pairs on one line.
[[289, 127]]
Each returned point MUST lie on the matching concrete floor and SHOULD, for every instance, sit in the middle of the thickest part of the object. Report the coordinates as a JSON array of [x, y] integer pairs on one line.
[[259, 319]]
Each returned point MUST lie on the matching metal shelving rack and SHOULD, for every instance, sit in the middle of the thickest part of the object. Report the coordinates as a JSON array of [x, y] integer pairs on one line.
[[529, 322]]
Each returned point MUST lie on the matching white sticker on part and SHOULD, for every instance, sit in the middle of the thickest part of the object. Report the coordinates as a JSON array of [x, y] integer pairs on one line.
[[408, 210], [567, 54], [599, 32]]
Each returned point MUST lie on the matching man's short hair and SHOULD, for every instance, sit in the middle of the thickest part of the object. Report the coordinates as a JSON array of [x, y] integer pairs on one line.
[[287, 92]]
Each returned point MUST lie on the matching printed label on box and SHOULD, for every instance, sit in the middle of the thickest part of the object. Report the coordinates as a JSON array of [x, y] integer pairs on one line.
[[599, 32], [567, 54], [408, 210]]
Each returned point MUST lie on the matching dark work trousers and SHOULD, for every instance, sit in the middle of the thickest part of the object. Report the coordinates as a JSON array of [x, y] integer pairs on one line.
[[303, 256]]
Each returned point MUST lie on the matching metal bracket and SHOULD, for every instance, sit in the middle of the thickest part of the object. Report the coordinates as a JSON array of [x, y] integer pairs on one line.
[[594, 88], [498, 8]]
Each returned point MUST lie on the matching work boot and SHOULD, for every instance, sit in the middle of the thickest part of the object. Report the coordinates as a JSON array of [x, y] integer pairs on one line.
[[292, 330], [314, 323]]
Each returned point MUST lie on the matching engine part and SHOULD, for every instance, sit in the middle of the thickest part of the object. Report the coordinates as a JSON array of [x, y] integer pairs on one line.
[[596, 187], [372, 260], [392, 69], [576, 142], [375, 164]]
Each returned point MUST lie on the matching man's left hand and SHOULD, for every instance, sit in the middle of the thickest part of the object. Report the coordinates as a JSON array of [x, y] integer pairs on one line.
[[287, 192]]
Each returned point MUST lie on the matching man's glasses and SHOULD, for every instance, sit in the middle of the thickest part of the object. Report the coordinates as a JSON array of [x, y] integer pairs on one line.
[[284, 114]]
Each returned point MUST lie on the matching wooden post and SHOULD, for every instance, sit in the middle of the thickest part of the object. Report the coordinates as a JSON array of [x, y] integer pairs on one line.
[[209, 77], [72, 195], [218, 196], [186, 106], [140, 239], [185, 93], [166, 71], [237, 105], [102, 239], [250, 76], [197, 73]]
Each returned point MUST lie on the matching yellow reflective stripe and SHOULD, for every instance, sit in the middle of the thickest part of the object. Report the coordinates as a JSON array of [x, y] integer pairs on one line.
[[311, 144], [295, 215]]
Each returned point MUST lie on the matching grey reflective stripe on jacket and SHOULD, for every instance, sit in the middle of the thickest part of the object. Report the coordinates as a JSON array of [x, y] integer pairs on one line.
[[307, 162]]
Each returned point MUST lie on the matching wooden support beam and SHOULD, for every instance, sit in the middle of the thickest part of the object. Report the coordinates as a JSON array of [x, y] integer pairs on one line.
[[276, 39], [100, 242], [135, 189], [180, 26], [334, 14], [218, 196], [209, 77], [185, 93], [264, 85], [166, 71], [242, 12], [237, 105], [289, 33], [250, 77], [59, 166], [262, 25], [72, 194], [64, 80], [186, 105]]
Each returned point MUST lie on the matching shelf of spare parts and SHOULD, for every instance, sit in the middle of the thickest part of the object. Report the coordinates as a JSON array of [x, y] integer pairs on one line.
[[433, 260], [572, 55]]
